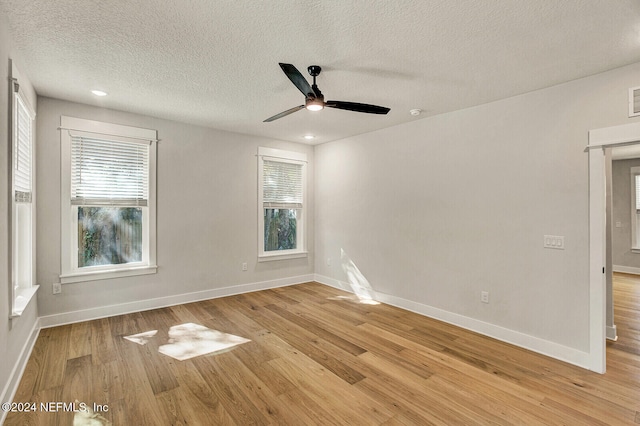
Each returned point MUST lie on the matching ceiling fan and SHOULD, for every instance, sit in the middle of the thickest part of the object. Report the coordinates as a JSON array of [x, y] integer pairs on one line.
[[314, 99]]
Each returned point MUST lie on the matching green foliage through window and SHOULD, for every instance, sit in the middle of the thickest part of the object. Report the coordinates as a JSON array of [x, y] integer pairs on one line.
[[280, 229], [109, 235]]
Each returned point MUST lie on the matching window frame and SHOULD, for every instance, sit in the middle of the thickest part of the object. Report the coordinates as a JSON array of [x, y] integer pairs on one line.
[[22, 291], [70, 272], [278, 155]]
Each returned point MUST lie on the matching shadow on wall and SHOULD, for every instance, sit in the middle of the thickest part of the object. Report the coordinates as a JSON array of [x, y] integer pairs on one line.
[[362, 290]]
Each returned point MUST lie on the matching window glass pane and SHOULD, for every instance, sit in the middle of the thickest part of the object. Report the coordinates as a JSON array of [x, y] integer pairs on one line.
[[109, 235], [23, 259], [637, 190], [280, 229]]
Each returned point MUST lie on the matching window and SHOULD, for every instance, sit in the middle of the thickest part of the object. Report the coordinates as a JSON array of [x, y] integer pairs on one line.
[[108, 200], [282, 181], [635, 209], [22, 202]]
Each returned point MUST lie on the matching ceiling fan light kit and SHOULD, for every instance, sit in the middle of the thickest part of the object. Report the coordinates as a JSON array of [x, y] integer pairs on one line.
[[314, 99], [314, 104]]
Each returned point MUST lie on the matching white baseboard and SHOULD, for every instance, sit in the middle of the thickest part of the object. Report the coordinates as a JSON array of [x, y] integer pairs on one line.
[[612, 333], [161, 302], [626, 269], [532, 343], [10, 389]]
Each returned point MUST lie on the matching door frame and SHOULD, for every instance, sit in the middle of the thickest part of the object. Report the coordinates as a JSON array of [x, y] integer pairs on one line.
[[599, 139]]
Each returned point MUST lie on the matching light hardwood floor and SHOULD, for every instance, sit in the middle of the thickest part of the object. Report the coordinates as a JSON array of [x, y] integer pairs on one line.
[[316, 357]]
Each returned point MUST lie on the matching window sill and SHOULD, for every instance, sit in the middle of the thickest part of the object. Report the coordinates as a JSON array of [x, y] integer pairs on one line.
[[283, 256], [20, 303], [107, 274], [635, 249]]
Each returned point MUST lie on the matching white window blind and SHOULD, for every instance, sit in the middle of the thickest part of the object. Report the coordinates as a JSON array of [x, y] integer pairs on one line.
[[22, 154], [282, 185], [109, 172]]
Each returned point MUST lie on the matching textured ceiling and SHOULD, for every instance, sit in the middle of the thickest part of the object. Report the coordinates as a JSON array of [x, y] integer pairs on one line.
[[215, 63]]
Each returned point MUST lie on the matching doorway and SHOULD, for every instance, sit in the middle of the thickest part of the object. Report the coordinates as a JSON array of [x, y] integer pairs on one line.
[[600, 140], [622, 165], [622, 227]]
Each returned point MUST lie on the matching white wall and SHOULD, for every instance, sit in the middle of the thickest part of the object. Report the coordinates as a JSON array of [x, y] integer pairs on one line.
[[207, 213], [435, 211], [16, 334]]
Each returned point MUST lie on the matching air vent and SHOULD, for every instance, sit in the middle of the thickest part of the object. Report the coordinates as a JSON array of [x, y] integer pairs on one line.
[[634, 101]]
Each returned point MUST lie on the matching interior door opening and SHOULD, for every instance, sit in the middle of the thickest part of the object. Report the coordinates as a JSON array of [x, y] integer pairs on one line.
[[622, 174], [600, 276]]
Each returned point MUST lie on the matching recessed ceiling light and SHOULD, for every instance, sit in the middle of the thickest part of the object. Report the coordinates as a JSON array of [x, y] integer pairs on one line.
[[99, 93], [309, 137]]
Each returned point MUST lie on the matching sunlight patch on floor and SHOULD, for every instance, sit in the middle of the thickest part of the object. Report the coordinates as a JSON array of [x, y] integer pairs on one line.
[[87, 417], [141, 338], [190, 340], [362, 290], [355, 299]]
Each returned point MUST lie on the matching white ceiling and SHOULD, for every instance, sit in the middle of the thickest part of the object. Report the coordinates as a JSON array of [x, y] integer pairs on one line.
[[215, 63]]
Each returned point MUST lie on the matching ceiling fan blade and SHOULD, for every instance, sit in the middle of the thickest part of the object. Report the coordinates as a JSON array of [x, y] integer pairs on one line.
[[354, 106], [284, 113], [298, 80]]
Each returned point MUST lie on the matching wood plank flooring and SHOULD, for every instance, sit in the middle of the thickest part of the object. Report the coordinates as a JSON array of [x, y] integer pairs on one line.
[[318, 357]]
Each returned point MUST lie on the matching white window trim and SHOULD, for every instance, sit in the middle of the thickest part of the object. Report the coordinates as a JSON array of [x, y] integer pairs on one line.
[[21, 296], [635, 244], [69, 274], [291, 157]]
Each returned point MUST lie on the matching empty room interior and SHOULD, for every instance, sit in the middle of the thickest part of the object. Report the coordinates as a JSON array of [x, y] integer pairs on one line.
[[320, 212]]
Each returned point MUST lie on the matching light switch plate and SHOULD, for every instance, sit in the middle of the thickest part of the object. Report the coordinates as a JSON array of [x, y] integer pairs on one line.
[[554, 242]]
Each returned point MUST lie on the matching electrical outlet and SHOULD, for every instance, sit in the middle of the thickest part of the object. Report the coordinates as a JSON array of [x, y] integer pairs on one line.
[[328, 261], [484, 297], [57, 288], [244, 266]]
